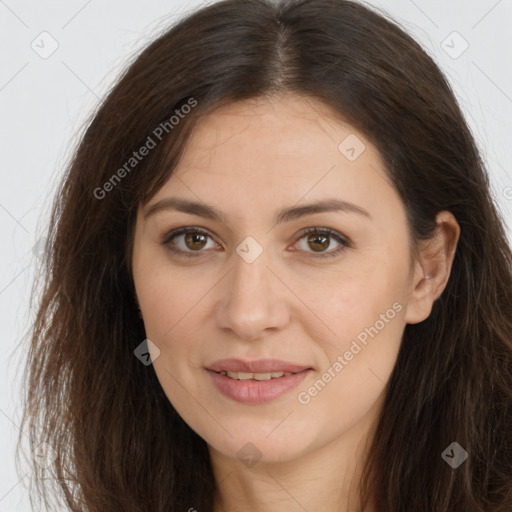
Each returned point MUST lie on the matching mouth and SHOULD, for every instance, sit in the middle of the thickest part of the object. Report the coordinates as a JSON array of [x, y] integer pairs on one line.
[[258, 368], [255, 376], [248, 386]]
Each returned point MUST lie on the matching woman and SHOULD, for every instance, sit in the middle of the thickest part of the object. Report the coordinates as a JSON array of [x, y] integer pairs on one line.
[[276, 278]]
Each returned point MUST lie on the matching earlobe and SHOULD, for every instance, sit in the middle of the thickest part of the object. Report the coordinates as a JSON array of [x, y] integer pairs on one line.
[[420, 302], [433, 269]]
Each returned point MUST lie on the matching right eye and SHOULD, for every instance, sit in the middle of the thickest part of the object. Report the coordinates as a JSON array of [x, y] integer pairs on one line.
[[190, 240]]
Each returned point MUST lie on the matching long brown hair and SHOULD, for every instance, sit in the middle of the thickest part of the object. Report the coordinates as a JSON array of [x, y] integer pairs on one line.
[[118, 442]]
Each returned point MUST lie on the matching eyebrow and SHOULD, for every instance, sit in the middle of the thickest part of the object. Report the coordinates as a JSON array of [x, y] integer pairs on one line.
[[209, 212]]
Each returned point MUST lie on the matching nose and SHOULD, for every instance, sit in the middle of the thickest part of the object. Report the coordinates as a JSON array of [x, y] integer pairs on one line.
[[253, 300]]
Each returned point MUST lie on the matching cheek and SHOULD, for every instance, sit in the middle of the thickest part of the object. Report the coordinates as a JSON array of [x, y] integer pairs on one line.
[[356, 362], [171, 305], [359, 295], [368, 330], [164, 294], [363, 307], [174, 305]]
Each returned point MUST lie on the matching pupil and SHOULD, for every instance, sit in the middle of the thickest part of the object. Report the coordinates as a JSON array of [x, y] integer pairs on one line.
[[325, 243], [193, 238]]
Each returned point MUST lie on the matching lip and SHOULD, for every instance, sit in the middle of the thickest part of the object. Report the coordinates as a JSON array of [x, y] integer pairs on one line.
[[256, 391], [256, 366]]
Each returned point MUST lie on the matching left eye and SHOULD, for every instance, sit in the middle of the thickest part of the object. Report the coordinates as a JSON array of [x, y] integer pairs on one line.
[[195, 239], [321, 238]]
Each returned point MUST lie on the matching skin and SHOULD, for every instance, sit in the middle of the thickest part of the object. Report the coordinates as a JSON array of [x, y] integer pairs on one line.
[[250, 159]]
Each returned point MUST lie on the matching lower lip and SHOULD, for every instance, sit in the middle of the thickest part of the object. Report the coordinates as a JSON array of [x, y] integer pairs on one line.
[[256, 391]]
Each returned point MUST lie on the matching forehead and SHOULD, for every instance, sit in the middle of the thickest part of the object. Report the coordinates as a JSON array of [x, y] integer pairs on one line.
[[268, 153], [283, 125]]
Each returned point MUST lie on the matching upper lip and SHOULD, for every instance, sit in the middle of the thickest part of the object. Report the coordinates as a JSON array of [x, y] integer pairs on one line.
[[256, 366]]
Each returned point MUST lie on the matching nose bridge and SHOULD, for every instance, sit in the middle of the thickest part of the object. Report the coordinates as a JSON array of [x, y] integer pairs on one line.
[[250, 275], [252, 300]]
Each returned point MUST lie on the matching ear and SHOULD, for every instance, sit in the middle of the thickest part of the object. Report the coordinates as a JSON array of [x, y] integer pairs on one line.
[[432, 268]]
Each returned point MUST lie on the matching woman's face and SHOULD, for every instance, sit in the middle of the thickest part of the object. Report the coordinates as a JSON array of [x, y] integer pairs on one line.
[[253, 285]]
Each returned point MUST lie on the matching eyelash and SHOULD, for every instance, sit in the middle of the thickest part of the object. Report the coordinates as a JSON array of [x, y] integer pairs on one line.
[[345, 242]]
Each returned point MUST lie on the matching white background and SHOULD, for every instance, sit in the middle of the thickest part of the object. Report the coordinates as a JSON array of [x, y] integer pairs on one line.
[[45, 101]]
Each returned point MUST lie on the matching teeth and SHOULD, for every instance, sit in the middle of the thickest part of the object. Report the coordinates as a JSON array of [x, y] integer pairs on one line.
[[255, 376]]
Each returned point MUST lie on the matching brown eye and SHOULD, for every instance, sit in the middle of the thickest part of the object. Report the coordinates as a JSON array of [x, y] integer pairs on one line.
[[190, 241], [318, 240], [187, 241], [195, 241]]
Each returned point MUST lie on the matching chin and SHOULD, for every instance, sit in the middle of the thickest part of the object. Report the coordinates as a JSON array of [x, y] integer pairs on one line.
[[252, 449]]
